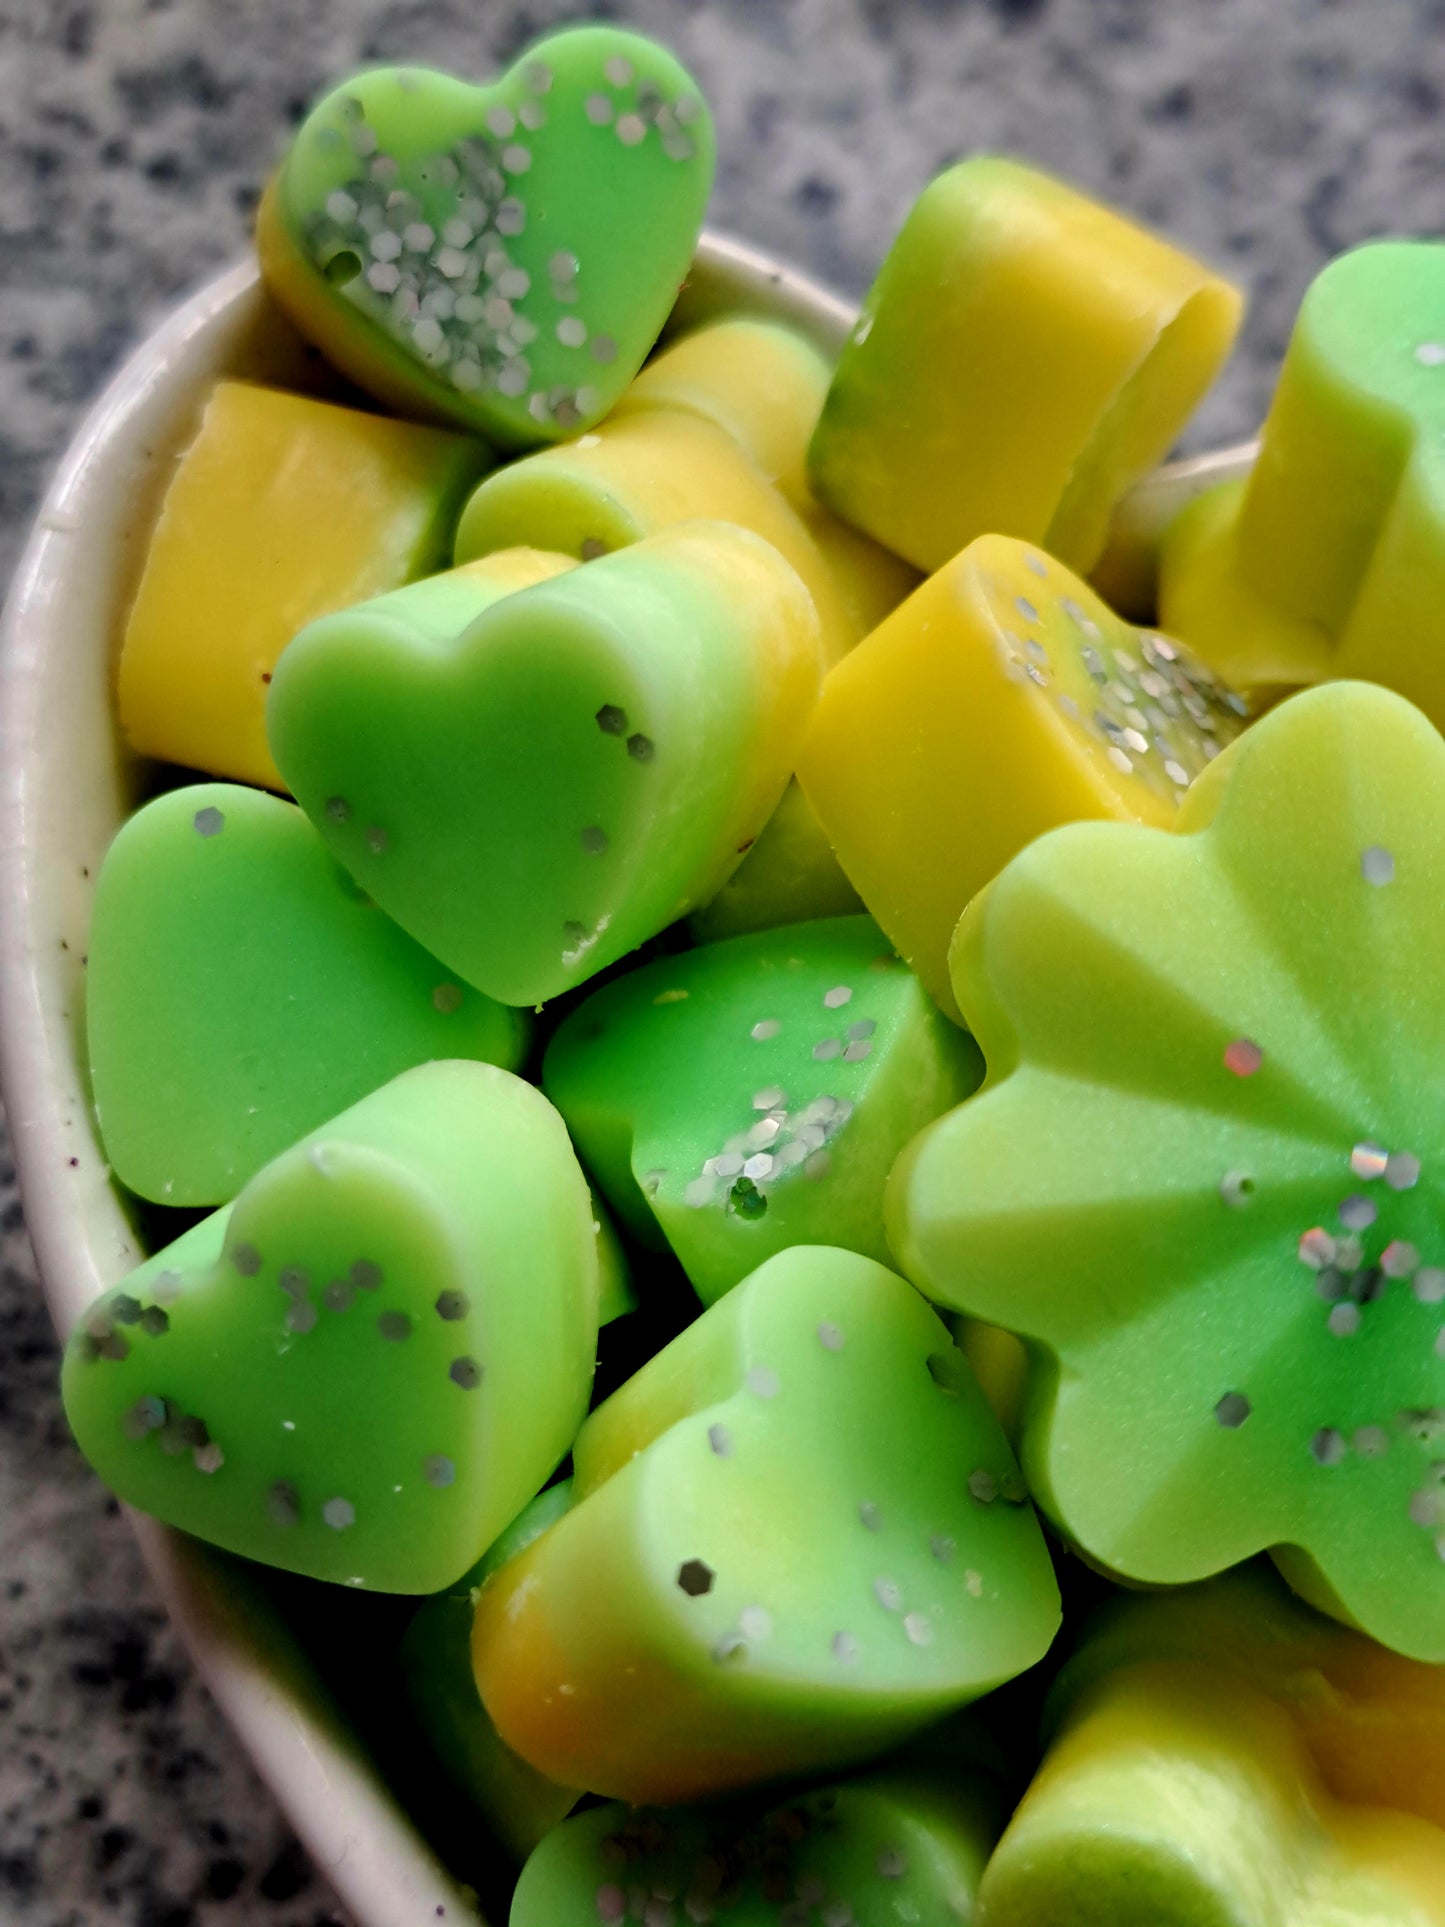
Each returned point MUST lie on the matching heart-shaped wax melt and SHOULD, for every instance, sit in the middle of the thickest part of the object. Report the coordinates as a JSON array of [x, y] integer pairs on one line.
[[1204, 1178], [799, 1537], [534, 794], [499, 256], [878, 1851], [364, 1368], [753, 1094], [241, 991]]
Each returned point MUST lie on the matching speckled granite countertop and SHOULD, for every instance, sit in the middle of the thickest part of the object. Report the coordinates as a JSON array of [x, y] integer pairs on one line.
[[134, 135]]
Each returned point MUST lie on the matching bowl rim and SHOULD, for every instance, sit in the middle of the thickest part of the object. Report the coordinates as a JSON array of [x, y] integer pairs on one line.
[[349, 1820]]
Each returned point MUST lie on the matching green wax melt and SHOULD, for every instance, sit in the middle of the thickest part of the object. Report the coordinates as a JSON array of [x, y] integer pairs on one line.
[[1204, 1178], [517, 1804], [241, 991], [500, 256], [798, 1537], [535, 792], [362, 1369], [885, 1849], [790, 875], [753, 1094]]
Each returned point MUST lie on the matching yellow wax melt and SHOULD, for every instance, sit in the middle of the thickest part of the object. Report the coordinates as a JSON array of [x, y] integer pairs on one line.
[[1259, 648], [1024, 355], [282, 509], [765, 385], [638, 474], [1001, 699]]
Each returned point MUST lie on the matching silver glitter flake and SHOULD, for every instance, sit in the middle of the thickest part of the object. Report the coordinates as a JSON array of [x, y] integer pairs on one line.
[[1402, 1171], [720, 1441], [762, 1033], [1377, 865], [439, 1470], [394, 1326], [209, 822], [1357, 1213], [830, 1337], [845, 1649], [763, 1382], [982, 1486], [888, 1593], [339, 1514], [836, 998], [1232, 1410], [1328, 1447], [870, 1516], [1236, 1188], [1369, 1160]]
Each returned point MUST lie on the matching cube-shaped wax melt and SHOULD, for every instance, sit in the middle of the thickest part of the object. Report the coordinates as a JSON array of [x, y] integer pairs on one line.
[[241, 991], [363, 1369], [1024, 355], [501, 256], [1203, 1178], [534, 793], [281, 510], [753, 1094], [1002, 698], [887, 1846], [799, 1537]]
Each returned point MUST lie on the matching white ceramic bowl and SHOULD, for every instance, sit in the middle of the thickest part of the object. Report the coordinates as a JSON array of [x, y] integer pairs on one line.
[[67, 785]]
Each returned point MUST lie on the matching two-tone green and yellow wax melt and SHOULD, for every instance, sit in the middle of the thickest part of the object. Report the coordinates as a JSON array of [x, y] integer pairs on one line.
[[666, 849]]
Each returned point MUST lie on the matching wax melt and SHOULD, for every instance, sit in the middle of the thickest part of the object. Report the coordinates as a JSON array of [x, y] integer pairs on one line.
[[1202, 1178], [534, 794], [875, 1851], [1176, 1797], [500, 256], [518, 1805], [1372, 1721], [1002, 698], [642, 473], [1024, 355], [281, 510], [362, 1369], [1339, 536], [764, 385], [790, 875], [241, 991], [1256, 647], [752, 1095], [799, 1536]]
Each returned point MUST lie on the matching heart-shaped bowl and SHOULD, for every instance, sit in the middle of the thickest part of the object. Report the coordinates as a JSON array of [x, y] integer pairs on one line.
[[302, 1672]]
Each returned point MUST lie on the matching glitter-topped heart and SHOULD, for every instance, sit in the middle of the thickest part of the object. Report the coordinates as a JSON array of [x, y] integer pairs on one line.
[[799, 1536], [499, 256], [363, 1369]]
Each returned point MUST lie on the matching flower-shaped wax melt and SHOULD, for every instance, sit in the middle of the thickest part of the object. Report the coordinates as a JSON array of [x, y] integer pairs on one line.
[[534, 793], [1024, 355], [1203, 1179], [363, 1369], [1340, 532], [1176, 1796], [241, 991], [281, 510], [752, 1095], [499, 256], [517, 1804], [889, 1847], [1001, 699], [799, 1537], [1372, 1721]]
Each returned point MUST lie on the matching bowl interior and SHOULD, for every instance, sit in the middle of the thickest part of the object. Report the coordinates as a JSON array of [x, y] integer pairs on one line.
[[301, 1670]]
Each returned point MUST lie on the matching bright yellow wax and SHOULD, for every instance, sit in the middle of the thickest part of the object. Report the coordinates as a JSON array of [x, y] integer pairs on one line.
[[1001, 699], [764, 385], [1024, 355], [1204, 598], [282, 509]]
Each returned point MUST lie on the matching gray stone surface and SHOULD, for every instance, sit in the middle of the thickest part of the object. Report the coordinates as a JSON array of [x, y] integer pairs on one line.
[[134, 135]]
